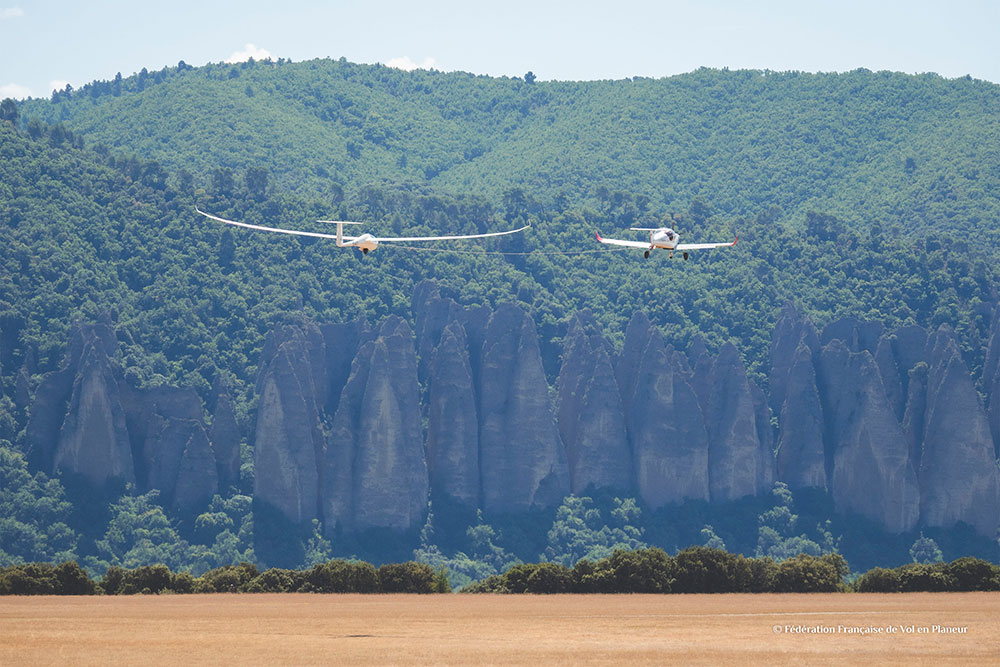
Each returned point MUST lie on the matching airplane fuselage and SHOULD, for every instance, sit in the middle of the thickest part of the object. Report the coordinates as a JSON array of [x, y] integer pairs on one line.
[[664, 237], [364, 243]]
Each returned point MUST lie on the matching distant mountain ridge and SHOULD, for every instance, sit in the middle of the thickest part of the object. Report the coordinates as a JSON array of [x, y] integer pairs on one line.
[[870, 147]]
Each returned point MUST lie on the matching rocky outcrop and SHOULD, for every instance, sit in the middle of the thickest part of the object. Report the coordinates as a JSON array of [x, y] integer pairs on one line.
[[790, 331], [522, 459], [431, 315], [288, 442], [896, 355], [591, 419], [871, 473], [87, 421], [77, 423], [170, 444], [453, 424], [739, 463], [669, 441], [93, 441], [991, 381], [225, 439], [341, 343], [959, 480], [800, 459], [375, 475], [855, 334]]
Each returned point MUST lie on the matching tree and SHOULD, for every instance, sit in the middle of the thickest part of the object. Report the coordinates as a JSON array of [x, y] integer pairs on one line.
[[256, 179], [408, 577], [712, 541], [776, 534], [529, 77], [925, 550], [9, 111]]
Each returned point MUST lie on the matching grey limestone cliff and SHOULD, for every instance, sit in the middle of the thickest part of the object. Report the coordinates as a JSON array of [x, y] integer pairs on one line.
[[591, 419], [288, 442], [453, 424], [375, 475], [959, 479], [870, 468], [521, 456]]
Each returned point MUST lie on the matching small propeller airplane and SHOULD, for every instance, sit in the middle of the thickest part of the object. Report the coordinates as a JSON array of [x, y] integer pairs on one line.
[[665, 238], [365, 242]]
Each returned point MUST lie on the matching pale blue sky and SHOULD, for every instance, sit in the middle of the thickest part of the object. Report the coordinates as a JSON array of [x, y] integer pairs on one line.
[[51, 42]]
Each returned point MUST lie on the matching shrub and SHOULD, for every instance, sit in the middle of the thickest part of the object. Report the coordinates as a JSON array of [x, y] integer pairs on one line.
[[146, 579], [973, 574], [924, 577], [878, 580], [226, 579], [276, 580], [550, 578], [410, 577], [705, 570], [640, 571], [341, 576], [29, 579], [811, 574]]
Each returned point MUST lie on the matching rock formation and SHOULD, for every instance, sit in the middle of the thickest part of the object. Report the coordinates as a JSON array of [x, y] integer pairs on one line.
[[871, 472], [375, 475], [739, 463], [591, 420], [225, 439], [522, 459], [801, 462], [288, 442], [959, 480], [453, 424], [93, 441]]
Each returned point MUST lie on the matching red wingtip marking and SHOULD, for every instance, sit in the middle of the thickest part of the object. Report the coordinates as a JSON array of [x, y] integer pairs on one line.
[[598, 235], [735, 240]]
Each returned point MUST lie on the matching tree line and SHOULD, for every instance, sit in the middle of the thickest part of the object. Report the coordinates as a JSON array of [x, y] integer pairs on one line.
[[334, 576], [651, 570]]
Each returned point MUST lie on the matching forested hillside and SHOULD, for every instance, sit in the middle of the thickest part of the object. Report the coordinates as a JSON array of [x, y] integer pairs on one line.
[[906, 152], [864, 194]]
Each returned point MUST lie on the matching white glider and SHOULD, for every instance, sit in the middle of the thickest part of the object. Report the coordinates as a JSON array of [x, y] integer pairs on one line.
[[365, 242], [665, 238]]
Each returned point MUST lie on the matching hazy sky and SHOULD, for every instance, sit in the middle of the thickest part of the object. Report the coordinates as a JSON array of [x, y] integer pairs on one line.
[[48, 43]]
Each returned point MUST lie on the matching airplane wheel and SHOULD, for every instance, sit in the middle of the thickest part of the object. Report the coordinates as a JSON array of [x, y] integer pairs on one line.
[[646, 254], [685, 256], [364, 250]]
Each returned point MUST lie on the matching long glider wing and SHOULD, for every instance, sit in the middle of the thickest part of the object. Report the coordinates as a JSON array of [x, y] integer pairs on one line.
[[630, 244], [703, 246], [448, 238], [347, 239], [293, 232]]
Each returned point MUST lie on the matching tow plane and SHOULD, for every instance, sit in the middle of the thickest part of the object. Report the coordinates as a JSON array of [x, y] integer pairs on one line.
[[365, 242], [664, 238]]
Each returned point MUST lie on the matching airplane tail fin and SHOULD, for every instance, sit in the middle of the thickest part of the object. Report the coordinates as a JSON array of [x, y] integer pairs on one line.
[[340, 229]]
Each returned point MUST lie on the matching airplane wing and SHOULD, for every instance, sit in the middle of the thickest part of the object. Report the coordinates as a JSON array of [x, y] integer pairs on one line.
[[293, 232], [448, 238], [630, 244], [704, 246]]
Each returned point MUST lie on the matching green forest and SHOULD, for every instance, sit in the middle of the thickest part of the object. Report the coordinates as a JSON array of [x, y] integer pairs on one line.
[[870, 194]]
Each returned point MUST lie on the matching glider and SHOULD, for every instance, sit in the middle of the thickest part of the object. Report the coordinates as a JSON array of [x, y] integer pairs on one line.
[[365, 242], [665, 238]]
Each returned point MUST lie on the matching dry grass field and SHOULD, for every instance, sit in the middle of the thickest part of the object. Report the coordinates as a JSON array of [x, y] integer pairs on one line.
[[303, 629]]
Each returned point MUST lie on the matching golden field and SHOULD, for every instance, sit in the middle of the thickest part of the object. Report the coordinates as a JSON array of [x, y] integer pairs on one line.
[[304, 629]]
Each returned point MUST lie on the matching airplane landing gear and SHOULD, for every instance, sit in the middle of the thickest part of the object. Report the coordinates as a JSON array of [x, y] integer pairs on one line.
[[364, 250], [685, 255], [646, 254]]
